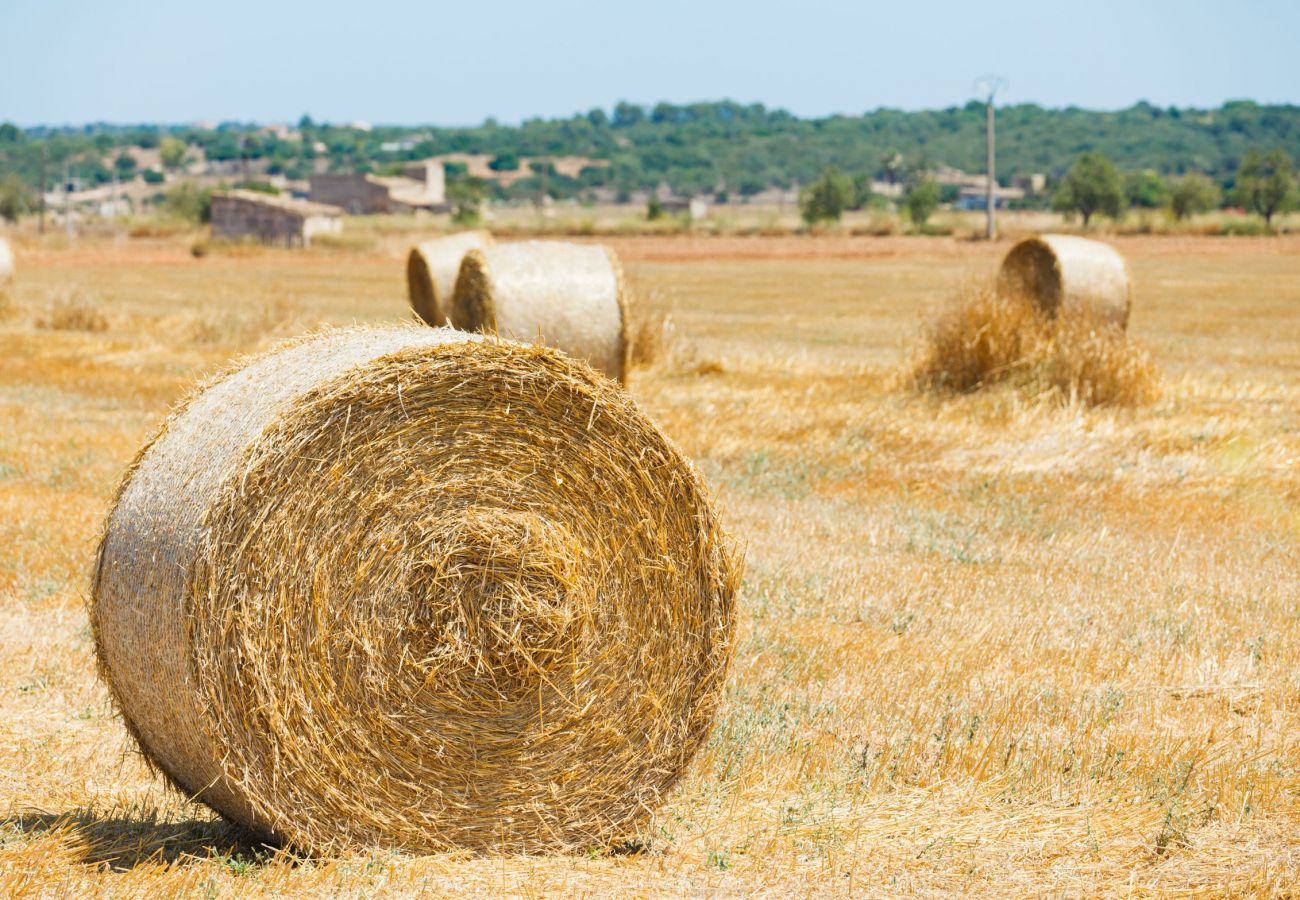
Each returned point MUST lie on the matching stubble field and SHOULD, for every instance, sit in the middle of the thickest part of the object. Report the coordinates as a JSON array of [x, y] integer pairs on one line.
[[993, 643]]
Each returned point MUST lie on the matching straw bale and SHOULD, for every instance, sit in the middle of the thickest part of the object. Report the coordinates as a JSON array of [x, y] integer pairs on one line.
[[569, 296], [6, 261], [1056, 270], [418, 589], [431, 270]]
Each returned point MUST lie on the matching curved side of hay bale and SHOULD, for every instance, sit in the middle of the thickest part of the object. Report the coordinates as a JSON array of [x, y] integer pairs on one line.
[[431, 270], [1057, 269], [569, 296], [6, 261], [407, 588]]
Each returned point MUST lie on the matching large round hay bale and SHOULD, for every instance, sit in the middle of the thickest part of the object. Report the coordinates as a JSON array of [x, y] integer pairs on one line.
[[415, 589], [6, 261], [569, 296], [431, 270], [1059, 270]]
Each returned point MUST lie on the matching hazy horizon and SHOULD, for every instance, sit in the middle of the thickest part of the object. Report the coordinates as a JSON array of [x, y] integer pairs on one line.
[[74, 63]]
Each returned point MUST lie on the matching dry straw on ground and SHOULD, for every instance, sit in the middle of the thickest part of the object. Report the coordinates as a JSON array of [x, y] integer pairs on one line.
[[1061, 271], [431, 270], [569, 296], [419, 589], [987, 337]]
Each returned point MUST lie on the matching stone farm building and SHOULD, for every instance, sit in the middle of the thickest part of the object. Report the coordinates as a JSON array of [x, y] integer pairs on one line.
[[272, 219], [420, 186]]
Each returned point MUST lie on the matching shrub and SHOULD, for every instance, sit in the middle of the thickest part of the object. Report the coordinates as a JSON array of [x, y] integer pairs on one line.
[[984, 339], [921, 198], [1266, 184]]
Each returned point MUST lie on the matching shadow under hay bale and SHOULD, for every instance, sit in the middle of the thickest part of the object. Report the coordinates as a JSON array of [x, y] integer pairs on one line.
[[568, 296], [1061, 272], [431, 270], [985, 338], [411, 588]]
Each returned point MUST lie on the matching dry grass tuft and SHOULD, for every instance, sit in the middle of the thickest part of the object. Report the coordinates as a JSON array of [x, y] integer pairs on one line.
[[72, 312], [652, 333], [985, 338]]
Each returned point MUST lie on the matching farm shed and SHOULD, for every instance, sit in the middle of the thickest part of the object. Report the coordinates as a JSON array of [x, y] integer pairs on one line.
[[272, 219], [421, 186]]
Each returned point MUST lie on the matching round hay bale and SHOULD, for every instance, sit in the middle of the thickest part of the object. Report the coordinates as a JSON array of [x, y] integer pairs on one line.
[[6, 261], [416, 589], [569, 296], [431, 270], [1058, 270]]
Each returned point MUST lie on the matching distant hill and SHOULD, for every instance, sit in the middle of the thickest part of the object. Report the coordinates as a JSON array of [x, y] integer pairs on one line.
[[701, 147]]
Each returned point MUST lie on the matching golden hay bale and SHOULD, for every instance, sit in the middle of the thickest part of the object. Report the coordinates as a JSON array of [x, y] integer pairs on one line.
[[6, 261], [431, 270], [1059, 270], [418, 589], [569, 296]]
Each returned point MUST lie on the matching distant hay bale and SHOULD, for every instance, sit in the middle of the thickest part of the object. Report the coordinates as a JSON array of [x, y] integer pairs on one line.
[[6, 262], [431, 270], [415, 589], [1057, 270], [569, 296]]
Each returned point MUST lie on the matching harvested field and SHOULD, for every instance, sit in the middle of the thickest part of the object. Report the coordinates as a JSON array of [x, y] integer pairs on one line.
[[986, 644]]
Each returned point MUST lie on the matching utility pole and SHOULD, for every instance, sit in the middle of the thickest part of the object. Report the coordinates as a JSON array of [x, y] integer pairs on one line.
[[989, 85], [42, 220]]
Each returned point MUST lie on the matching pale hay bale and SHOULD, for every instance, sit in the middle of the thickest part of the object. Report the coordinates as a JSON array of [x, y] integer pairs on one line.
[[6, 262], [1058, 270], [431, 270], [416, 589], [569, 296]]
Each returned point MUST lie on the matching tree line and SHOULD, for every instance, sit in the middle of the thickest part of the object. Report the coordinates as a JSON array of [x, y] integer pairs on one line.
[[723, 149]]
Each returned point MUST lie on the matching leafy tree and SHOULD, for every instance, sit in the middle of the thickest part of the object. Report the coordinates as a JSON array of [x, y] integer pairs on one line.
[[826, 198], [153, 176], [466, 198], [861, 192], [1093, 185], [1145, 189], [1266, 184], [1191, 194], [190, 202], [172, 152], [921, 197], [506, 162], [15, 198], [124, 165]]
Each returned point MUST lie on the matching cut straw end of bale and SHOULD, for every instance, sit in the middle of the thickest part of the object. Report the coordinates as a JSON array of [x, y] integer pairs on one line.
[[1058, 270], [414, 589], [431, 270], [6, 261], [568, 296]]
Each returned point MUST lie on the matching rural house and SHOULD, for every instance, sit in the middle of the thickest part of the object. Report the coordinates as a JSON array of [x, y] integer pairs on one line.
[[272, 219], [420, 186]]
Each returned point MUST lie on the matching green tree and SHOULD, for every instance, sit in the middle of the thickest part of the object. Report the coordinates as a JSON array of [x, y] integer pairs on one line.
[[1266, 184], [1093, 185], [466, 198], [15, 197], [125, 166], [506, 162], [921, 197], [1145, 190], [172, 152], [826, 198], [861, 192], [190, 202], [1193, 193]]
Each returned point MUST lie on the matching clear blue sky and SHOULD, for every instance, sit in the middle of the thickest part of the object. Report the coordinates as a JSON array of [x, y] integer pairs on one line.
[[453, 63]]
